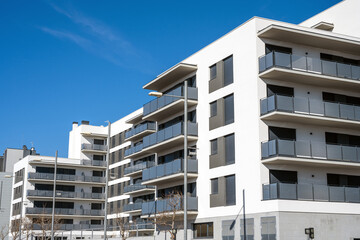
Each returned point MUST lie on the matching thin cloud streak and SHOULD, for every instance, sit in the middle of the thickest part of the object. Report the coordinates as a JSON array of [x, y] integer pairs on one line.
[[82, 42]]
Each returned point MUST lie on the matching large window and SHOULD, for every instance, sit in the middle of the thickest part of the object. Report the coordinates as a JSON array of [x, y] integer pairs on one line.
[[213, 71], [99, 141], [230, 190], [249, 229], [214, 146], [215, 186], [213, 109], [228, 71], [229, 109], [203, 230], [268, 228], [229, 149]]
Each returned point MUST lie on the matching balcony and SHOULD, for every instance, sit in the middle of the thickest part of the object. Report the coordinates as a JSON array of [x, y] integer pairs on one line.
[[165, 106], [137, 169], [138, 188], [66, 178], [165, 205], [72, 227], [169, 171], [93, 148], [66, 211], [309, 70], [65, 195], [164, 139], [132, 207], [142, 226], [310, 153], [311, 192], [307, 111], [140, 131]]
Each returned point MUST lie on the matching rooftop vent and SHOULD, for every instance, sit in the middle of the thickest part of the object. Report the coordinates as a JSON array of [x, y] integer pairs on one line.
[[83, 122], [324, 26]]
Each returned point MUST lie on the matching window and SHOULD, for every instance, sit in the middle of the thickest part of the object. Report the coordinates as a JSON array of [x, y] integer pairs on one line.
[[95, 222], [230, 190], [203, 230], [98, 157], [281, 176], [279, 90], [229, 149], [229, 109], [213, 109], [213, 71], [228, 232], [214, 146], [215, 186], [268, 228], [96, 206], [228, 71], [282, 133], [249, 229], [99, 141], [272, 48]]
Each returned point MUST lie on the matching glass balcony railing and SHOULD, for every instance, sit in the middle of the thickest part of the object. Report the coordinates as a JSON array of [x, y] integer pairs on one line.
[[136, 187], [62, 194], [96, 147], [163, 135], [308, 64], [167, 205], [140, 128], [311, 192], [96, 163], [138, 167], [142, 225], [71, 227], [65, 211], [310, 149], [310, 107], [176, 166], [132, 206], [163, 101], [65, 177]]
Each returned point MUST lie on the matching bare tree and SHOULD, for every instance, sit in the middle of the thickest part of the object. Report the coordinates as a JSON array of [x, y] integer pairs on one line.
[[123, 224], [15, 228], [167, 219], [44, 223], [27, 227], [4, 232]]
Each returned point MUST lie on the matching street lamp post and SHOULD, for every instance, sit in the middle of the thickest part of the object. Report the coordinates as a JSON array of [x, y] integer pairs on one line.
[[107, 178], [53, 198], [185, 129]]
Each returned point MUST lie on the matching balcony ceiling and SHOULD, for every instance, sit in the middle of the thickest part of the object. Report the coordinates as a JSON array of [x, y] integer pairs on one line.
[[170, 76], [310, 38]]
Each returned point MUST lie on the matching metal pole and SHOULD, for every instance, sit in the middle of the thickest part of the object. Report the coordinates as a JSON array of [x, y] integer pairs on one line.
[[244, 218], [107, 178], [185, 154], [53, 199]]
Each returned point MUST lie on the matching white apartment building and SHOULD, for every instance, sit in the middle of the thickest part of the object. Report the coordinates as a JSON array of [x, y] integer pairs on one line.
[[273, 109]]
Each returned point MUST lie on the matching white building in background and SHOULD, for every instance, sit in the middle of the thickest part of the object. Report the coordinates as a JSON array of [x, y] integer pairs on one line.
[[274, 109]]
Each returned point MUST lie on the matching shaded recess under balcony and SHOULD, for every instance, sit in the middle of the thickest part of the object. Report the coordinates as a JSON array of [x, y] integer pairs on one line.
[[170, 76], [165, 205], [309, 70], [81, 163], [140, 131], [164, 139], [308, 111], [173, 170], [138, 188], [96, 148], [310, 192], [292, 151], [165, 106], [66, 178], [63, 194]]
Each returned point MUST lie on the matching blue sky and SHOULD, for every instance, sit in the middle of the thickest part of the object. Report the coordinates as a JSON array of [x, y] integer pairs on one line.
[[65, 61]]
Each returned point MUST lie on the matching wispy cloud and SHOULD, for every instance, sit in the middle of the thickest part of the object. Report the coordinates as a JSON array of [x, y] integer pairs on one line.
[[97, 38]]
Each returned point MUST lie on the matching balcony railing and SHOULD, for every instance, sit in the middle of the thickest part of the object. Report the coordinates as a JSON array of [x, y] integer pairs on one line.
[[71, 227], [167, 205], [163, 101], [311, 192], [96, 147], [167, 169], [65, 177], [63, 194], [136, 187], [66, 211], [138, 167], [140, 128], [310, 107], [310, 149], [141, 225], [132, 206], [163, 135], [308, 64]]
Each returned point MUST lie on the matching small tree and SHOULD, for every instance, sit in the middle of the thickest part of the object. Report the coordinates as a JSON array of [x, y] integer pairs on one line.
[[167, 218], [27, 227], [15, 228], [123, 224], [4, 232], [44, 223]]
